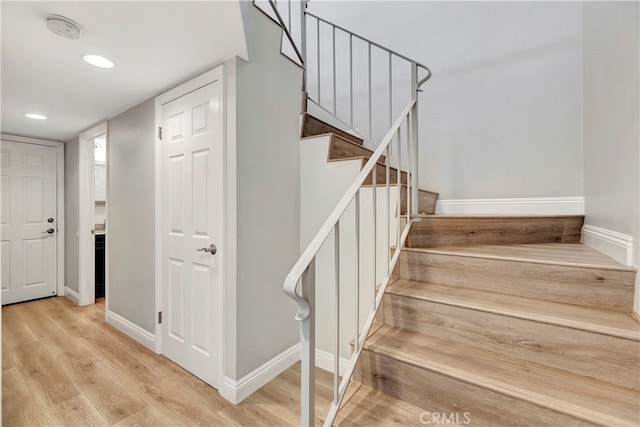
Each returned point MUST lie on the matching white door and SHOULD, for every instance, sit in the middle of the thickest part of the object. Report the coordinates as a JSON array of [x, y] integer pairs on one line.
[[191, 223], [28, 223]]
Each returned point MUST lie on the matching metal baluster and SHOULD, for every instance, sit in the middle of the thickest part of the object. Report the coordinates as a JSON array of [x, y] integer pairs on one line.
[[336, 359], [370, 100], [374, 194], [351, 78], [308, 353], [318, 50], [387, 164], [390, 91], [414, 138], [333, 41], [409, 187], [399, 186], [358, 271], [289, 18]]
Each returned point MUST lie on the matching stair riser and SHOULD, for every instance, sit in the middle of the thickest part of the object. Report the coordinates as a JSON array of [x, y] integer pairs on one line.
[[586, 287], [436, 392], [451, 231], [618, 359], [426, 202]]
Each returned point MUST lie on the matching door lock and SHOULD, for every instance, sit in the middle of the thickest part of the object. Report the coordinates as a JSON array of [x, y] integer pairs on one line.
[[211, 249], [49, 220]]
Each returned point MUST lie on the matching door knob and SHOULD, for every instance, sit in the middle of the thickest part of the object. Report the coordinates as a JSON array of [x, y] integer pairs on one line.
[[49, 231], [211, 249]]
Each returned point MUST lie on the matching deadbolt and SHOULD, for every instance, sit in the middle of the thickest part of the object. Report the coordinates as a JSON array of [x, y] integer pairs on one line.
[[49, 220]]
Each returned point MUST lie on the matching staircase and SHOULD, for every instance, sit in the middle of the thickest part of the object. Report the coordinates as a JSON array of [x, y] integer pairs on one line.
[[345, 146], [501, 321], [477, 320]]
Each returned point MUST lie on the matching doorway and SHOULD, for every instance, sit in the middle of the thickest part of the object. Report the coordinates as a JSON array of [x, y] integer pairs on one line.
[[189, 209], [31, 218], [93, 217]]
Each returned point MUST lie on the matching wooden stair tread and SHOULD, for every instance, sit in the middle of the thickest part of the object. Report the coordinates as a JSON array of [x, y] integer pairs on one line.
[[599, 321], [312, 126], [572, 394], [370, 407], [567, 254]]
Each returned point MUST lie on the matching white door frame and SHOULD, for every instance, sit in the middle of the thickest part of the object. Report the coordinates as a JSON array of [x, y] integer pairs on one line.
[[86, 216], [185, 88], [59, 146]]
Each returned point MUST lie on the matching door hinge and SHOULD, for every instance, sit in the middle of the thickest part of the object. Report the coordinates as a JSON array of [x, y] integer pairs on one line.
[[159, 317], [160, 132]]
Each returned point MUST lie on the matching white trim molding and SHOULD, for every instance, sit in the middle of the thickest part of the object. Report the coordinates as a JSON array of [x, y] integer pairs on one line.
[[132, 330], [236, 391], [513, 206], [72, 295], [325, 361], [611, 243]]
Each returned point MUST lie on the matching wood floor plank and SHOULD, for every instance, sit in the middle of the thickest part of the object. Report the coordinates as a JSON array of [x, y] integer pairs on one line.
[[19, 407], [43, 375], [102, 387], [77, 412], [14, 331]]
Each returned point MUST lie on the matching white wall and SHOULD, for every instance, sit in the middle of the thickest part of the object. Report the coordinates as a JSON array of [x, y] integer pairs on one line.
[[612, 119], [131, 291], [268, 103], [502, 115], [71, 211]]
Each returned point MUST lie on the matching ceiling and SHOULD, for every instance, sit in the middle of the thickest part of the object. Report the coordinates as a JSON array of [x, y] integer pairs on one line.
[[154, 45]]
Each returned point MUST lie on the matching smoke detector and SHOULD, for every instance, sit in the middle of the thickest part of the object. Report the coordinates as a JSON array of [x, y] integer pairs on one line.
[[64, 27]]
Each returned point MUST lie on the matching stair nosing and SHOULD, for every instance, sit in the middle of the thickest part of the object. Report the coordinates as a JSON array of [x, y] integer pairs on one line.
[[557, 404], [540, 318], [451, 252]]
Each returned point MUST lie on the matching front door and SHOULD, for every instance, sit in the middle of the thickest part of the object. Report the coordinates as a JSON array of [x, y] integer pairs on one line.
[[191, 228], [28, 223]]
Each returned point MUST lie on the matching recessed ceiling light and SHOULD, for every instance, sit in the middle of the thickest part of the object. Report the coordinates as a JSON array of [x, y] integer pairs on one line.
[[36, 116], [98, 61]]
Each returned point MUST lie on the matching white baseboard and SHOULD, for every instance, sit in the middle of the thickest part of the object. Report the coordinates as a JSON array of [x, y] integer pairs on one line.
[[236, 391], [325, 360], [132, 330], [611, 243], [516, 206], [72, 295]]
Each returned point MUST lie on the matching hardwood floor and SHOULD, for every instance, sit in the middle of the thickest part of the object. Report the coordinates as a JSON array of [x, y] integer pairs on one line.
[[62, 365]]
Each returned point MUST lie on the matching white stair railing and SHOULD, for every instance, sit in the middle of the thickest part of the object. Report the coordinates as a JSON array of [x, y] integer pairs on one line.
[[356, 109], [300, 283], [357, 81]]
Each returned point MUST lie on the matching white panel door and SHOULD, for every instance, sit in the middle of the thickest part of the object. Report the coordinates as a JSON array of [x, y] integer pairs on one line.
[[191, 223], [28, 223]]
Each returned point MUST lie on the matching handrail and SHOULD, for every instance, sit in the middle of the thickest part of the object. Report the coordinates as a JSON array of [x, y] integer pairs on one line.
[[294, 276], [286, 31], [379, 46]]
